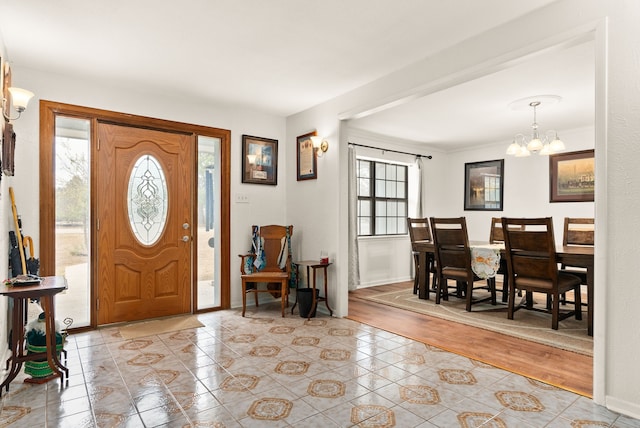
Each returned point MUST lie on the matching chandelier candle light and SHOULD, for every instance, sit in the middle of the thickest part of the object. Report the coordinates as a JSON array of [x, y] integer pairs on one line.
[[548, 144]]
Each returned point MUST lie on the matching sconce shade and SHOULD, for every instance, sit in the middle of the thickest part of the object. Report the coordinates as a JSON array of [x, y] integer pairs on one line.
[[317, 141], [20, 98]]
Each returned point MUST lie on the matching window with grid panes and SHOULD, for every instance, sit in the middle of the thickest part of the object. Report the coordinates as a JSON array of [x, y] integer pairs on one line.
[[382, 198]]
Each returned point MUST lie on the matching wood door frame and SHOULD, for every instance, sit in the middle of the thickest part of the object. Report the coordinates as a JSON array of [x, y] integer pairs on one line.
[[48, 112]]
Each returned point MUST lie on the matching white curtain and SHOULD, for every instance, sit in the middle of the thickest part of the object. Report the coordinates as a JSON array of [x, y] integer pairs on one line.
[[354, 257], [419, 209]]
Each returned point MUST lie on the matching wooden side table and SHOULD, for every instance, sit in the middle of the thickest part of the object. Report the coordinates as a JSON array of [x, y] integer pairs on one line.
[[314, 265], [45, 290]]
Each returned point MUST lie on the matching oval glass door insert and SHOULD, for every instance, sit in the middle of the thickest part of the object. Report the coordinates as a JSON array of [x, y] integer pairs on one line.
[[147, 200]]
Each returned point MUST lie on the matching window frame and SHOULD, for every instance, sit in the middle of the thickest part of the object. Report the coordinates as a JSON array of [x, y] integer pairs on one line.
[[373, 199]]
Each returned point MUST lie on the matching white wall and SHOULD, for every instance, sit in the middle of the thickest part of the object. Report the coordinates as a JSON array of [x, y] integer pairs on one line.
[[526, 186], [266, 203]]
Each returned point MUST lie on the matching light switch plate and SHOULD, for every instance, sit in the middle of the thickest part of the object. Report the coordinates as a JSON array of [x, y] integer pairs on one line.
[[242, 198]]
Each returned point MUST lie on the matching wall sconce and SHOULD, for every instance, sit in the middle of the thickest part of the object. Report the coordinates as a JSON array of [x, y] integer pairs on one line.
[[20, 99], [320, 144]]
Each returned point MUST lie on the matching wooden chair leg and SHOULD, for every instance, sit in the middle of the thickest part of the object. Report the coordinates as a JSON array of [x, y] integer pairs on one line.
[[244, 297], [255, 294], [578, 302], [469, 294], [416, 276], [283, 296], [555, 311], [511, 302], [491, 282], [505, 288]]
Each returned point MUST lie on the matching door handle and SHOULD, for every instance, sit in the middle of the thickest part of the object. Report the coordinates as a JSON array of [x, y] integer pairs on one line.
[[186, 238]]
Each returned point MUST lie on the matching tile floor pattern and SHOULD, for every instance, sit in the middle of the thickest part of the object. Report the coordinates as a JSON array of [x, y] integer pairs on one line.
[[266, 371]]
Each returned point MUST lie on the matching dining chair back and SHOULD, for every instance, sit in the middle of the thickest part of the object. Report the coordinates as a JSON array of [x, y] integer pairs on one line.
[[419, 231], [532, 267], [496, 236], [577, 231], [453, 261], [269, 262]]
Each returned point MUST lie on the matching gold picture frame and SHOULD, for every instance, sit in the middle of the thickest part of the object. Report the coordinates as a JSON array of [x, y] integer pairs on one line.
[[572, 176]]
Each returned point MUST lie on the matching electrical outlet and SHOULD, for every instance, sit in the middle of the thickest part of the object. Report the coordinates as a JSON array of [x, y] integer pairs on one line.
[[242, 198]]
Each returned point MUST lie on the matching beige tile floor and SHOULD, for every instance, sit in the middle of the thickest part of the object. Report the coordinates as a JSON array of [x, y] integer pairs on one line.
[[268, 371]]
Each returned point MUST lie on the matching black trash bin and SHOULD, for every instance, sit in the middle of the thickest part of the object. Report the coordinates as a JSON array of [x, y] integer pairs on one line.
[[305, 300]]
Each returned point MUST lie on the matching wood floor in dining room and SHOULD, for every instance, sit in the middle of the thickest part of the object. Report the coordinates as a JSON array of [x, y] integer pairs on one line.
[[567, 370]]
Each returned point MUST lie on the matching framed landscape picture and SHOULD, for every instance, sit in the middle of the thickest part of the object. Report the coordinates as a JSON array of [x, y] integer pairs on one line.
[[572, 176], [259, 160], [483, 185]]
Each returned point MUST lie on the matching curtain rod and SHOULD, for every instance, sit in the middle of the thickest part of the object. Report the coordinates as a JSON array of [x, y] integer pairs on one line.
[[393, 151]]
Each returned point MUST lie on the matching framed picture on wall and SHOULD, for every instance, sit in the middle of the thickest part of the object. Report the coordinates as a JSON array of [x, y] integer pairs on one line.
[[259, 160], [307, 159], [483, 185], [572, 176], [8, 137]]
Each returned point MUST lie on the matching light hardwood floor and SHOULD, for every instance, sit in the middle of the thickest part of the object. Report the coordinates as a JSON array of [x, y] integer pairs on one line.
[[567, 370]]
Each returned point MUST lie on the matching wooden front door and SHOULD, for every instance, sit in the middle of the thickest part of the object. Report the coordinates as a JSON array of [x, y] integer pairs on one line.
[[144, 223]]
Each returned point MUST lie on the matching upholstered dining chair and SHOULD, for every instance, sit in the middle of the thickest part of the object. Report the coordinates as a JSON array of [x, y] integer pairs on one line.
[[453, 261], [269, 262], [419, 231], [532, 267], [496, 236]]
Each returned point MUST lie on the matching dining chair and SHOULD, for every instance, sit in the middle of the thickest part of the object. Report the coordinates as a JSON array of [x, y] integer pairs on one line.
[[496, 236], [532, 267], [453, 261], [269, 262], [577, 231], [419, 231]]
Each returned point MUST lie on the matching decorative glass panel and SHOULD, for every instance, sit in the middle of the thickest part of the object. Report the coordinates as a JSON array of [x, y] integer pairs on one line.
[[147, 197]]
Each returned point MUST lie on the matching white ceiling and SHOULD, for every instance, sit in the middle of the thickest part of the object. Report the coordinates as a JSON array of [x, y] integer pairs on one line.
[[479, 112], [284, 56]]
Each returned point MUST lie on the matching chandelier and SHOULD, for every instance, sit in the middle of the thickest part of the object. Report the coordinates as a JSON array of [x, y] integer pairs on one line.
[[547, 144]]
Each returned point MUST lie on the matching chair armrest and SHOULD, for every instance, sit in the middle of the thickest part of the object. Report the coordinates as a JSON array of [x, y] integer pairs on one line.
[[243, 262]]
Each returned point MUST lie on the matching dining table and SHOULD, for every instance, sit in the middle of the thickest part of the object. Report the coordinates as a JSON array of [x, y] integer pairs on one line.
[[570, 255]]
